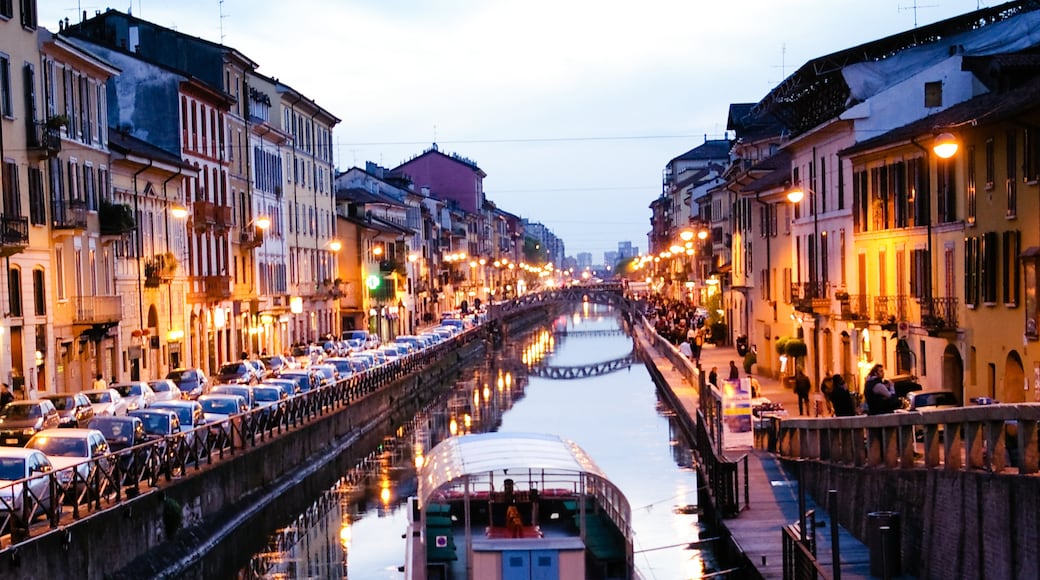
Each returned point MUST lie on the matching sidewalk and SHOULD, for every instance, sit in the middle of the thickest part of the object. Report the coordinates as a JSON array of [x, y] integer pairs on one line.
[[773, 488]]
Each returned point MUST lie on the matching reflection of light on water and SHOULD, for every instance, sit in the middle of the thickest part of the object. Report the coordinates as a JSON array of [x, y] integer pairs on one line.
[[384, 492], [453, 427], [468, 421], [345, 535], [487, 393]]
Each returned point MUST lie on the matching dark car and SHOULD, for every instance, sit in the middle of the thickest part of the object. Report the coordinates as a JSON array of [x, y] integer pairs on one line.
[[244, 391], [160, 424], [20, 420], [120, 432], [74, 409], [239, 372], [192, 382]]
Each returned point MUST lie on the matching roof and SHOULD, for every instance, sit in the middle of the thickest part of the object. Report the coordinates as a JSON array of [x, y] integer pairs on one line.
[[824, 87], [986, 108], [710, 149], [458, 457]]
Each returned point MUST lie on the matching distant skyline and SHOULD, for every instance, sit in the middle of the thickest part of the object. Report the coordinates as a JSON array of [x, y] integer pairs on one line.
[[572, 108]]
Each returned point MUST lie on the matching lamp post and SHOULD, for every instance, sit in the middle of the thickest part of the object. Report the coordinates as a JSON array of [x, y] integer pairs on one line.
[[796, 196]]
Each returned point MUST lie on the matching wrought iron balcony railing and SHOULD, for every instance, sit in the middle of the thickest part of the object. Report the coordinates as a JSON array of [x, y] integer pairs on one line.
[[891, 309]]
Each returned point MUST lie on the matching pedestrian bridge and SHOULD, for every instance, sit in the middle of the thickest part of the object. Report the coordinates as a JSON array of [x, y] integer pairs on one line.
[[583, 371], [607, 294]]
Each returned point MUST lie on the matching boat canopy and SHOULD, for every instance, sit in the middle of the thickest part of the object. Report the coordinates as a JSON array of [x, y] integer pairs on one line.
[[460, 457]]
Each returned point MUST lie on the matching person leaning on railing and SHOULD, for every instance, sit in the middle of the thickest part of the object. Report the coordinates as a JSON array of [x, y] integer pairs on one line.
[[880, 392]]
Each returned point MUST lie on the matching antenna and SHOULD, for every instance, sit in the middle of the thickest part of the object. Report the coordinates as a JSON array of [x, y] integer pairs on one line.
[[222, 17], [783, 64], [917, 6]]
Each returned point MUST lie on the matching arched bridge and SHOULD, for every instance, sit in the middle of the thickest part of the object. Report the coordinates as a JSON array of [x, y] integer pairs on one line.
[[607, 294], [602, 332], [584, 371]]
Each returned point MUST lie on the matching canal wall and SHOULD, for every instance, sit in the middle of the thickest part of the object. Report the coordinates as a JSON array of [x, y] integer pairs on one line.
[[134, 539]]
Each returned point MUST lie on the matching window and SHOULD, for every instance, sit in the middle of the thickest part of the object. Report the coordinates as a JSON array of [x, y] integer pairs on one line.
[[971, 271], [1012, 175], [988, 273], [14, 289], [37, 197], [971, 209], [945, 191], [6, 9], [39, 292], [5, 84], [1029, 264], [920, 274], [28, 13], [991, 164], [12, 196], [1031, 154], [1010, 271], [933, 94]]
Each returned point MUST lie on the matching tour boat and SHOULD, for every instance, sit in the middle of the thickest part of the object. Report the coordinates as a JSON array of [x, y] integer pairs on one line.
[[516, 506]]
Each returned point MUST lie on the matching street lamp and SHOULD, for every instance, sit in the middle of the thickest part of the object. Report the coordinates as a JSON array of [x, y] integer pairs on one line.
[[945, 145], [795, 196]]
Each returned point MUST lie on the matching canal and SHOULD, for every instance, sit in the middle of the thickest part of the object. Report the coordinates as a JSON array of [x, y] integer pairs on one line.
[[548, 379]]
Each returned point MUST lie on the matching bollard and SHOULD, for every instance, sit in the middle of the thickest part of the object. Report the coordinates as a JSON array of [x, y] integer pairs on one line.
[[883, 542]]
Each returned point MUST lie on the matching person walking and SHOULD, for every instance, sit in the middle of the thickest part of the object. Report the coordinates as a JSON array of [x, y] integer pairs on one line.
[[734, 373], [713, 376], [802, 386], [684, 348]]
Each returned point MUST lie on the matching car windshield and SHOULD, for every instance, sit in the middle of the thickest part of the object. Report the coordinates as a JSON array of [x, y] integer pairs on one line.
[[934, 399], [100, 397], [62, 403], [267, 395], [20, 411], [220, 406], [232, 391], [12, 468], [155, 423], [60, 446], [116, 431], [179, 375], [183, 413], [160, 387], [231, 369], [135, 390]]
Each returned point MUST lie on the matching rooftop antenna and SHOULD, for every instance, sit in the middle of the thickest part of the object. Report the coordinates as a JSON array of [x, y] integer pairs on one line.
[[222, 17], [915, 7], [783, 64]]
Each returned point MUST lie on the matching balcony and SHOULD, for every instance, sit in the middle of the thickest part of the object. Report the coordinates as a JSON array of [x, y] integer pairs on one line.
[[97, 310], [14, 237], [939, 315], [854, 307], [889, 310], [204, 215], [44, 138], [217, 288], [222, 220], [251, 237], [115, 219], [812, 297], [69, 214]]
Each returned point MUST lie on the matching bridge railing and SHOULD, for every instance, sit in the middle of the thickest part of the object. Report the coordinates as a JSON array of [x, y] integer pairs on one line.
[[992, 438], [107, 481]]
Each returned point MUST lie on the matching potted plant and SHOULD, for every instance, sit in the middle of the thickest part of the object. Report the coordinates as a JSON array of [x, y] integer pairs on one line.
[[56, 122]]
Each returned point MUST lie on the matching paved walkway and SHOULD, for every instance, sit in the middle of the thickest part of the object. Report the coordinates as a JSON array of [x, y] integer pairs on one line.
[[773, 489]]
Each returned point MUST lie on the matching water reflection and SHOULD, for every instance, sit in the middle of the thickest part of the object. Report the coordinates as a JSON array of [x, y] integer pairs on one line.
[[617, 417]]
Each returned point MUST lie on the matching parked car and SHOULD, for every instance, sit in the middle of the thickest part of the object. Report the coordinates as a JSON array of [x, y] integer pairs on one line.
[[192, 382], [19, 463], [165, 390], [191, 417], [931, 400], [74, 409], [71, 452], [162, 426], [260, 370], [239, 372], [307, 354], [327, 374], [120, 432], [343, 366], [20, 420], [305, 378], [244, 391], [357, 339], [278, 363], [137, 394], [107, 402], [218, 410], [268, 398], [289, 387]]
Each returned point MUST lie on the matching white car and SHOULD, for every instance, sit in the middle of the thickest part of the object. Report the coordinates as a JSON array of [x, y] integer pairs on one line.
[[28, 467], [107, 402], [137, 394], [165, 390], [70, 452]]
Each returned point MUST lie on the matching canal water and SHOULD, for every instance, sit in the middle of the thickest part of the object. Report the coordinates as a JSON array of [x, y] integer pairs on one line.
[[354, 530]]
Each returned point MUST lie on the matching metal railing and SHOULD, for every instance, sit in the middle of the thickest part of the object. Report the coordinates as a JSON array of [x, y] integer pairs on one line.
[[106, 481]]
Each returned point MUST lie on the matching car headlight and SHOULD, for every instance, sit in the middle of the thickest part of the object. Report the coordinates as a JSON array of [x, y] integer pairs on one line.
[[66, 420], [29, 431]]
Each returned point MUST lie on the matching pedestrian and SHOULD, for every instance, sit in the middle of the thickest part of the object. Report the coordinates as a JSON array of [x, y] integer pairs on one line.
[[802, 386], [684, 348], [6, 396], [99, 382], [734, 372], [841, 399], [879, 392], [713, 376]]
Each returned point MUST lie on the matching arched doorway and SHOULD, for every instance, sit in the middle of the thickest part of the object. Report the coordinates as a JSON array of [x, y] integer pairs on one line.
[[953, 371], [1014, 380]]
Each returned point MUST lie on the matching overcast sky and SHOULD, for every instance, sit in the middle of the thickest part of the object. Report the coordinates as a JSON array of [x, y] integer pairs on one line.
[[572, 107]]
